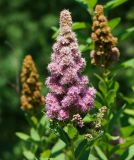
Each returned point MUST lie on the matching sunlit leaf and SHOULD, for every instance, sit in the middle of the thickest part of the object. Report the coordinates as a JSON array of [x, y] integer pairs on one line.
[[115, 117], [114, 22], [80, 25], [127, 33], [71, 131], [92, 157], [114, 3], [80, 149], [126, 131], [88, 118], [29, 155], [128, 63], [110, 137], [128, 154], [131, 121], [110, 97], [45, 154], [90, 4], [58, 146], [103, 88], [22, 136], [129, 111], [34, 135], [59, 132], [60, 157], [100, 153]]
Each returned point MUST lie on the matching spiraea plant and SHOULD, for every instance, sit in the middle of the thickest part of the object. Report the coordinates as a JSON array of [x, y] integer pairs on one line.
[[38, 137], [105, 50], [104, 54], [31, 87], [69, 104]]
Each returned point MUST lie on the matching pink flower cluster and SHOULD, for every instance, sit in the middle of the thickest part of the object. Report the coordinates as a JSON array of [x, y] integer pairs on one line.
[[69, 93]]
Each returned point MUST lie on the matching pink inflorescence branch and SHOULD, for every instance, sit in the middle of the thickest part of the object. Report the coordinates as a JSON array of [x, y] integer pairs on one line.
[[69, 92]]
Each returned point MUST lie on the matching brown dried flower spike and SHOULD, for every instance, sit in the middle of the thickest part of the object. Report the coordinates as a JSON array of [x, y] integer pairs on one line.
[[105, 51], [30, 97]]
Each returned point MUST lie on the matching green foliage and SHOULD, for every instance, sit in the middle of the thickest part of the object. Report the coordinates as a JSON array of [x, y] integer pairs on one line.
[[27, 29], [129, 63], [128, 154], [114, 22], [100, 153], [90, 4], [60, 133], [114, 3], [22, 136], [29, 155]]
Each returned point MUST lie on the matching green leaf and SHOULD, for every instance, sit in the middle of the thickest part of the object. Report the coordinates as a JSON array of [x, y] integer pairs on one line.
[[60, 157], [34, 135], [116, 149], [99, 77], [92, 157], [126, 131], [100, 153], [71, 131], [131, 121], [115, 117], [88, 118], [118, 3], [110, 137], [127, 33], [29, 155], [22, 136], [83, 48], [56, 33], [116, 86], [44, 122], [99, 95], [110, 97], [34, 120], [45, 154], [59, 131], [114, 3], [129, 100], [128, 154], [114, 22], [80, 25], [128, 63], [90, 4], [97, 104], [58, 146], [82, 150], [103, 88], [129, 111]]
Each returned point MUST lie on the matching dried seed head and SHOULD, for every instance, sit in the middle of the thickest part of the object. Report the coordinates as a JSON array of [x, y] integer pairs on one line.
[[104, 51], [30, 96], [99, 9]]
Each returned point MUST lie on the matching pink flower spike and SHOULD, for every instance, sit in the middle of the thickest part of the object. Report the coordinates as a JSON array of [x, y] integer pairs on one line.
[[69, 93]]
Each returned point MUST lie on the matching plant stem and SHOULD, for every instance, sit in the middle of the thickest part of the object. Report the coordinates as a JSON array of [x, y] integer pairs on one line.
[[72, 151]]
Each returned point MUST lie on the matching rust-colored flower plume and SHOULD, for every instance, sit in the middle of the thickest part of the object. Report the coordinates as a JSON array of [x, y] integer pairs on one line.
[[105, 51], [30, 97]]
